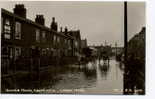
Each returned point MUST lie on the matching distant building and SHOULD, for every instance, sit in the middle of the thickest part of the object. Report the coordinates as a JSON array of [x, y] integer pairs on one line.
[[117, 50]]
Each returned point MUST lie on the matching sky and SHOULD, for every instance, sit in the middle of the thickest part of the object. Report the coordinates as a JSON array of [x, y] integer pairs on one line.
[[97, 21]]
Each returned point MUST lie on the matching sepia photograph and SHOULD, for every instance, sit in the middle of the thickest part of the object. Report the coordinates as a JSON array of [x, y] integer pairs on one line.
[[73, 47]]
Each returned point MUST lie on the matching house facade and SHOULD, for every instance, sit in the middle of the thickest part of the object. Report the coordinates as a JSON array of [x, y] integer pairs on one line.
[[24, 38]]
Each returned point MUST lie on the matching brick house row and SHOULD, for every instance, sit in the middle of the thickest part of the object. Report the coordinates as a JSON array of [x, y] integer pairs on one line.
[[21, 36]]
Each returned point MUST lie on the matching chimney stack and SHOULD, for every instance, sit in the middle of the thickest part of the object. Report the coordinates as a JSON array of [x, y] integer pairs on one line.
[[20, 10], [60, 29], [40, 19], [54, 25], [66, 30], [53, 19]]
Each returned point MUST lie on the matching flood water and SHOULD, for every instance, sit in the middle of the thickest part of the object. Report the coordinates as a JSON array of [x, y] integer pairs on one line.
[[95, 77], [92, 78]]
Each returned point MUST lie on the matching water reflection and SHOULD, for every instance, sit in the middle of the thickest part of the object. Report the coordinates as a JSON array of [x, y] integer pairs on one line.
[[89, 70], [104, 68], [94, 77]]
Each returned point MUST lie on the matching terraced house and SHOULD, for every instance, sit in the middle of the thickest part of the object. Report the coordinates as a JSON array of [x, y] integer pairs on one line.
[[22, 38]]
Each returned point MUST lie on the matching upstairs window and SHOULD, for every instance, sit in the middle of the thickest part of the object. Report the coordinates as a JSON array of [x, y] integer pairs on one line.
[[44, 36], [58, 40], [69, 44], [54, 39], [65, 41], [7, 29], [17, 30], [37, 35], [76, 44]]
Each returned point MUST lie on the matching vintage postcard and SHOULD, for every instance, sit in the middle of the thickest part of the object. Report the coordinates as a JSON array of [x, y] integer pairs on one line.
[[66, 47]]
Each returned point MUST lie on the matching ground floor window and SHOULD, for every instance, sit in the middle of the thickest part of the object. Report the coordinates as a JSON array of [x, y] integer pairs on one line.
[[7, 51], [17, 52]]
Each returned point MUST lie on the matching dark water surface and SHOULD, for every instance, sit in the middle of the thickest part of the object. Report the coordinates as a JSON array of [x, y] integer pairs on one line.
[[91, 78]]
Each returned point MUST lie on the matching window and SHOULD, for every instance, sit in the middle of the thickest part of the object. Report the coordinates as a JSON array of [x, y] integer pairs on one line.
[[43, 36], [37, 35], [76, 44], [7, 51], [58, 39], [11, 52], [17, 30], [17, 52], [7, 29], [65, 41], [43, 51], [54, 38], [69, 44]]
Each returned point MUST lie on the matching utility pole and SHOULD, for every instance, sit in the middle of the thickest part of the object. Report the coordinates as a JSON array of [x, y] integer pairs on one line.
[[125, 44], [125, 31]]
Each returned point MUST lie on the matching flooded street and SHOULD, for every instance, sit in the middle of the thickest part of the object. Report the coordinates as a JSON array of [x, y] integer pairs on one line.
[[73, 48], [92, 78]]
